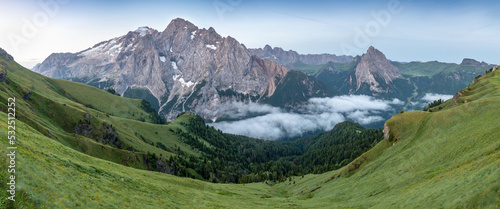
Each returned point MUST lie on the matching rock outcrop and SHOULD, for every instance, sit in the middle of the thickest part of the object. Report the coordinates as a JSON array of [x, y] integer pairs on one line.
[[373, 69], [455, 100], [386, 131]]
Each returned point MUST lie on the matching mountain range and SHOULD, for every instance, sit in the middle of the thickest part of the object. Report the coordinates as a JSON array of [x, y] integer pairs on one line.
[[184, 68], [373, 74]]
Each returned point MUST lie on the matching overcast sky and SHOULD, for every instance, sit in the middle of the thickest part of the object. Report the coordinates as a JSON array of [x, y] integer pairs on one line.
[[404, 30]]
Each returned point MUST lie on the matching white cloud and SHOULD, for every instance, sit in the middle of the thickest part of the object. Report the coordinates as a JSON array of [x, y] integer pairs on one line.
[[318, 114], [240, 109], [364, 117], [430, 97]]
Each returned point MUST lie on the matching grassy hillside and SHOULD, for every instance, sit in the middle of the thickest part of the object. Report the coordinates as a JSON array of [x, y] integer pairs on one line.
[[55, 176]]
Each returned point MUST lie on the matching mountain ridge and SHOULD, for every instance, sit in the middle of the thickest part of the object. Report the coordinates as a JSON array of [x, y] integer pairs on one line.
[[374, 63], [182, 68], [290, 58], [407, 81]]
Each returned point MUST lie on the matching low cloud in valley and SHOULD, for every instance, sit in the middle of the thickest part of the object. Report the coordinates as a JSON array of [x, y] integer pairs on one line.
[[430, 97], [318, 114]]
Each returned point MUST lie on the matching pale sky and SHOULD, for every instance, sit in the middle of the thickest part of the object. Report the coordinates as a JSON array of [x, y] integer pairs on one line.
[[403, 30]]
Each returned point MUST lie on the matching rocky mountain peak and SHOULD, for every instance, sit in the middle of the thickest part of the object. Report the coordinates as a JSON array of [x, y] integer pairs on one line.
[[268, 48], [180, 23], [473, 63], [374, 68], [373, 54], [183, 68], [144, 30]]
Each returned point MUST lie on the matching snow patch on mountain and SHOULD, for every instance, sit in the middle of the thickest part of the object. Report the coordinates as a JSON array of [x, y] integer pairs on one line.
[[92, 50], [182, 81], [174, 65], [142, 30], [210, 46], [193, 34]]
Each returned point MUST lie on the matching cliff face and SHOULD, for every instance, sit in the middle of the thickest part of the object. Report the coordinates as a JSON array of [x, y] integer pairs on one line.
[[183, 68], [289, 58], [374, 64]]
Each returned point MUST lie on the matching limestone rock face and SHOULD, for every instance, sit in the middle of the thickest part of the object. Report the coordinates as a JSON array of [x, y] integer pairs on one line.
[[183, 68], [374, 65]]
